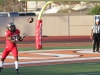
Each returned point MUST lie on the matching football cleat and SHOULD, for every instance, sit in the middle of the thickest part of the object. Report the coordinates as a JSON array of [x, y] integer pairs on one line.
[[1, 69], [17, 71]]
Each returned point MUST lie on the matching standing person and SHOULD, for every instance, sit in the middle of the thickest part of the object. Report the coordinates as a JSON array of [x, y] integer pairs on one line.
[[95, 35], [12, 36]]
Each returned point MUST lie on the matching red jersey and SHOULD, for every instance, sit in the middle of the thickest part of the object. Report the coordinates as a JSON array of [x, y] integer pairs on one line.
[[13, 35]]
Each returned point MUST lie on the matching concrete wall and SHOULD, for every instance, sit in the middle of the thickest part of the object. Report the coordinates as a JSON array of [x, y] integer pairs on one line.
[[81, 25], [52, 25]]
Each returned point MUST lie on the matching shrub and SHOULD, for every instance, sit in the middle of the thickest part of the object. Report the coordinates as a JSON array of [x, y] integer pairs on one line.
[[95, 10]]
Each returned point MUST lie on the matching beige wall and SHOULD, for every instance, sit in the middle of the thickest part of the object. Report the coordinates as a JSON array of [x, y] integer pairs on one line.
[[81, 25], [52, 25], [55, 25]]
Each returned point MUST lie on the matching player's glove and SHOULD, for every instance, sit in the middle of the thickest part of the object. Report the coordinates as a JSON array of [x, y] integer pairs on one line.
[[24, 35], [20, 38]]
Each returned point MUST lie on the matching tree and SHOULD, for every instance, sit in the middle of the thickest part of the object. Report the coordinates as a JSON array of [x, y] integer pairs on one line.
[[95, 10], [10, 6]]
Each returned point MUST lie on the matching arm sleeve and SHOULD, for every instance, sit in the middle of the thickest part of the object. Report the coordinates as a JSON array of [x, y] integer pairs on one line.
[[92, 27]]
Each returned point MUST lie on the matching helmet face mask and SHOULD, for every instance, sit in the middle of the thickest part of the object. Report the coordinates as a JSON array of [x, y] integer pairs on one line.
[[11, 27]]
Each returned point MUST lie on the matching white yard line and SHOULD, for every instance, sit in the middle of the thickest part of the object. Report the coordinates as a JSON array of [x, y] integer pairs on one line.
[[52, 61], [52, 50], [55, 60]]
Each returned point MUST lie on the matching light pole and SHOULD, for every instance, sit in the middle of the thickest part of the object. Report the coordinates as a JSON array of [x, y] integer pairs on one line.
[[4, 5], [26, 6], [13, 5]]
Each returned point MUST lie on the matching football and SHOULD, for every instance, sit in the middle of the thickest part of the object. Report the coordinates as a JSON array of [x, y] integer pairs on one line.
[[30, 20]]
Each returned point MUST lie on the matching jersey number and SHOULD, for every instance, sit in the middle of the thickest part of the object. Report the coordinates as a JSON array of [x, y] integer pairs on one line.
[[14, 37]]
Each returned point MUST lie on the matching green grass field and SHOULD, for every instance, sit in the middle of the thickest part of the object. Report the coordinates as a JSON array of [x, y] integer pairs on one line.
[[49, 48], [61, 69]]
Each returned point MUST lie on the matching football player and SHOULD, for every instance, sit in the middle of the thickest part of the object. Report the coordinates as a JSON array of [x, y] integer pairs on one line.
[[12, 36]]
